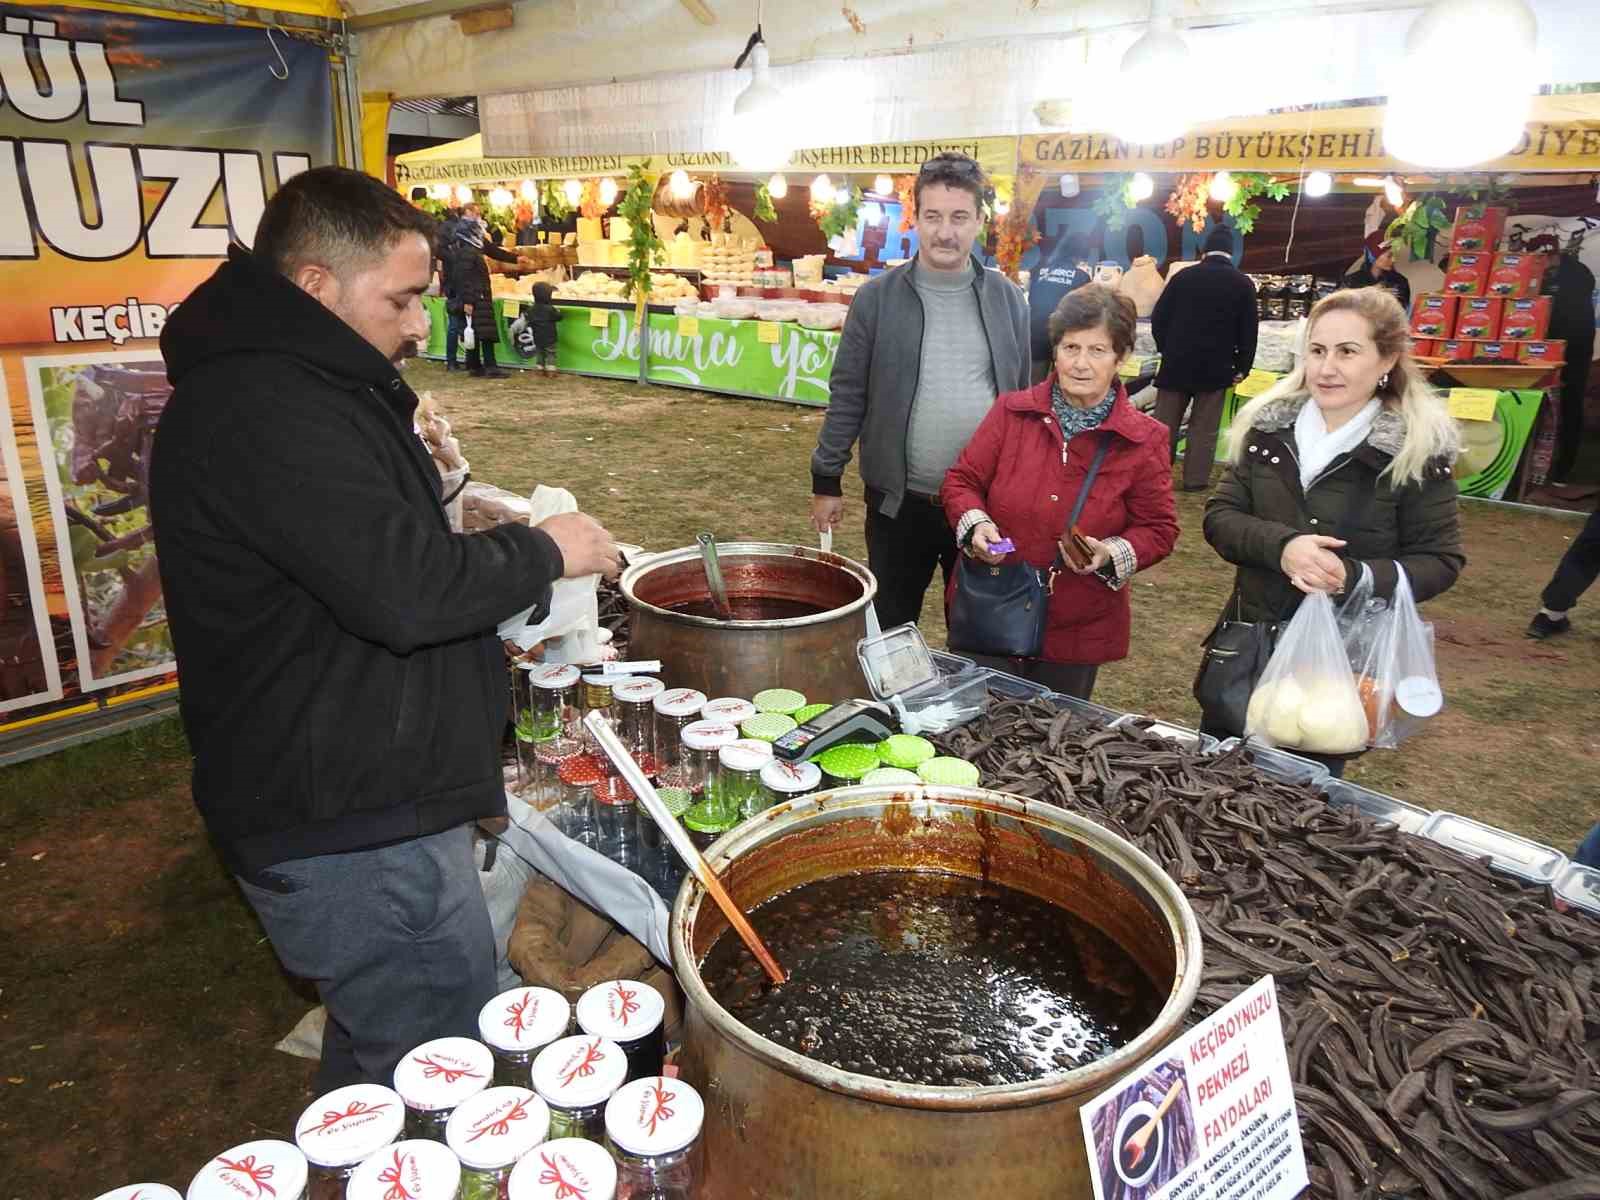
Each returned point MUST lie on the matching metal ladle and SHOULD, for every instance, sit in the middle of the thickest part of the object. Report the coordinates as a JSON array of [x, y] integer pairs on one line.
[[714, 583]]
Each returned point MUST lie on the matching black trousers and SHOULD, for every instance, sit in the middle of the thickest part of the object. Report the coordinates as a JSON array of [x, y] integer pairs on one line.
[[1070, 679], [1569, 432], [1203, 422], [903, 551], [1578, 569]]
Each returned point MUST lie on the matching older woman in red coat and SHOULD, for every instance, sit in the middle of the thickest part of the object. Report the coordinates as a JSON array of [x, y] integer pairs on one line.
[[1020, 476]]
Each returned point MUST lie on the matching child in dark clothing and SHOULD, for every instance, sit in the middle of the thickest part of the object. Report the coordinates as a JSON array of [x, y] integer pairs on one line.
[[542, 320]]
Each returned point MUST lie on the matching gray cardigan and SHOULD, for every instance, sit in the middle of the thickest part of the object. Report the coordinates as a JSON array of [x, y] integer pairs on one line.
[[874, 380]]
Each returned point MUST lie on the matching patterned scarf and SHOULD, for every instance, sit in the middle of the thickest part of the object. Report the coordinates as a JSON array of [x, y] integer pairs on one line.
[[1075, 420]]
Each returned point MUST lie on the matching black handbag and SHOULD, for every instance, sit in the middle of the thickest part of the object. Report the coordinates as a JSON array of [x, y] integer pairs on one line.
[[1002, 610], [1234, 654]]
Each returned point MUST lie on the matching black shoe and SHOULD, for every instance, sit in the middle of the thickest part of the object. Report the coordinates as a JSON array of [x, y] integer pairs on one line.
[[450, 366], [496, 373], [1542, 627]]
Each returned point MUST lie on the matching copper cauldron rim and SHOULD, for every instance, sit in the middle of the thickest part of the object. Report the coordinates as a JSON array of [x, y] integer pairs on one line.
[[1088, 1080], [643, 566]]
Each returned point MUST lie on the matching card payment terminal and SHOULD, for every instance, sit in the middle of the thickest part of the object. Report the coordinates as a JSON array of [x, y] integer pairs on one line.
[[852, 721]]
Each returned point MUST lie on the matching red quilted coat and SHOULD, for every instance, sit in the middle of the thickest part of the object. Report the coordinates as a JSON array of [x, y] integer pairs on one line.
[[1012, 469]]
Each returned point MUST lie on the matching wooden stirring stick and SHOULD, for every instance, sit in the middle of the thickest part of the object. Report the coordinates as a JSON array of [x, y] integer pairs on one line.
[[596, 724], [1134, 1146]]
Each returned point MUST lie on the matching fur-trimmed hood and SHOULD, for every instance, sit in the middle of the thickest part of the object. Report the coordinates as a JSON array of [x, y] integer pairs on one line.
[[1387, 434]]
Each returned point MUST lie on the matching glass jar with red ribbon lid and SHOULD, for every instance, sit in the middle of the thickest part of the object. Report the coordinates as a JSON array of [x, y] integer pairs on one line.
[[436, 1077], [339, 1131], [565, 1169], [575, 1077], [416, 1170], [141, 1191], [653, 1126], [268, 1167], [630, 1014], [490, 1134], [516, 1025]]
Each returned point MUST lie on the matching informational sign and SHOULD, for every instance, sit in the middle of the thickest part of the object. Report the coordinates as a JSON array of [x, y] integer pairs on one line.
[[1472, 404], [1255, 383], [1211, 1117]]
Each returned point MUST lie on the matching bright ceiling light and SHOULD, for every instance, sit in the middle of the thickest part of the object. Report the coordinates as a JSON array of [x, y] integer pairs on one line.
[[680, 185], [1318, 183], [822, 189], [871, 213], [1069, 186], [1370, 181], [572, 189], [1223, 188], [463, 194], [1155, 70], [1142, 187], [529, 190], [762, 133], [842, 194], [1447, 34], [883, 185], [608, 192], [1393, 192], [439, 191], [501, 197], [778, 186]]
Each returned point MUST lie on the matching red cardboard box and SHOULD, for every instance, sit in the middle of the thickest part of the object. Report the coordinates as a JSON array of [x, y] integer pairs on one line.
[[1453, 348], [1434, 316], [1423, 347], [1468, 274], [1478, 227], [1553, 351], [1516, 274], [1526, 318], [1501, 351], [1479, 317]]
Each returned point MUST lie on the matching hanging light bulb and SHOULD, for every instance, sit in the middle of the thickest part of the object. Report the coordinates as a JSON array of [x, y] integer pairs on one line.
[[778, 186], [822, 189], [1446, 34], [1393, 192], [680, 185], [1223, 188], [842, 193], [608, 192], [463, 194], [529, 190], [883, 185], [439, 191], [1069, 186], [1318, 183], [1142, 187], [1155, 68], [872, 212], [501, 197], [762, 133], [572, 189]]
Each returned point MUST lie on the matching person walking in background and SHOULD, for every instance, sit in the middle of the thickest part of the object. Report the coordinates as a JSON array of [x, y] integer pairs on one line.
[[1067, 270], [1204, 325], [1575, 574], [1021, 475], [467, 282], [542, 320], [1377, 270], [926, 348]]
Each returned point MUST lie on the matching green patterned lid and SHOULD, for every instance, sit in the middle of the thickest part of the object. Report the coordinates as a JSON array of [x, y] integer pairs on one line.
[[811, 710], [768, 726], [948, 772], [706, 817], [905, 750], [891, 775], [852, 760], [677, 800], [779, 700]]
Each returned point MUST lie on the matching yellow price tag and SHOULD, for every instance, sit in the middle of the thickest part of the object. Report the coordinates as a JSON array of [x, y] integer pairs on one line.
[[511, 308], [1473, 404], [688, 326], [1128, 368], [767, 331], [599, 318], [1255, 383]]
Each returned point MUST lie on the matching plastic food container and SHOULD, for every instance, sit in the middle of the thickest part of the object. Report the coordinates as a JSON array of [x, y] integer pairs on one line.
[[628, 1013], [948, 772], [899, 667], [1280, 764], [1507, 853], [1014, 687], [1578, 886], [248, 1170], [490, 1133], [516, 1025], [575, 1077], [437, 1076], [339, 1131], [565, 1169], [1096, 714], [421, 1170], [1405, 817], [1191, 739]]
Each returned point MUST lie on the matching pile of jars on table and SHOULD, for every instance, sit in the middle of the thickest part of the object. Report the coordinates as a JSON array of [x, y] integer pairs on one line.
[[527, 1113]]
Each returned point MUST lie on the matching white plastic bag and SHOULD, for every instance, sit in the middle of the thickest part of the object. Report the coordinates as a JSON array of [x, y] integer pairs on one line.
[[1396, 675], [468, 338], [571, 630], [1306, 699]]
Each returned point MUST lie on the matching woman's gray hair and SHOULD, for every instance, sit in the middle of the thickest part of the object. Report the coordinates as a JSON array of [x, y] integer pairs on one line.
[[1091, 306]]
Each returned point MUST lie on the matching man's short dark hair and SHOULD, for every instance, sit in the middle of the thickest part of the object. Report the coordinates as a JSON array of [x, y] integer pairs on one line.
[[956, 170], [337, 218], [1093, 305]]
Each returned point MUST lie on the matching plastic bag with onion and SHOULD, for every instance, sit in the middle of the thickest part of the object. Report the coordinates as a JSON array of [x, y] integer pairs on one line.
[[1306, 699]]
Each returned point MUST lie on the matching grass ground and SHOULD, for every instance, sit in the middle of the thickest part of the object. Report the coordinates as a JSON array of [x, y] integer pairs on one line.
[[139, 1003]]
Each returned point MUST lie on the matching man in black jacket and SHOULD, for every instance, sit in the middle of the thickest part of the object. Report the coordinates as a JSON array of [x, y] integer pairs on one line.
[[343, 688], [1205, 327]]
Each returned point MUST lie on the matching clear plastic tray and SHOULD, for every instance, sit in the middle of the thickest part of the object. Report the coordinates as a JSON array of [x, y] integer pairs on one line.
[[1406, 817], [896, 662], [1181, 734], [1506, 852], [951, 665], [1280, 764], [1014, 687], [1097, 714], [1579, 887]]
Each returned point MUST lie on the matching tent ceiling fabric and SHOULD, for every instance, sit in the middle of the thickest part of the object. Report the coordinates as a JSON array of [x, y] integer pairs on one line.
[[560, 43]]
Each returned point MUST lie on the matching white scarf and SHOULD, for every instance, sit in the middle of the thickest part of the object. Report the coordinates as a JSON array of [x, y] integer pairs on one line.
[[1316, 447]]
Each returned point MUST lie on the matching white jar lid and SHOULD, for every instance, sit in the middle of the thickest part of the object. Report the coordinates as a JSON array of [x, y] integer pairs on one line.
[[579, 1072], [728, 708], [791, 778], [639, 691], [680, 702], [737, 757], [654, 1116], [565, 1169], [709, 735], [497, 1127], [555, 676], [444, 1072], [249, 1170], [756, 746], [141, 1191], [421, 1170], [524, 1019], [348, 1124], [623, 1010]]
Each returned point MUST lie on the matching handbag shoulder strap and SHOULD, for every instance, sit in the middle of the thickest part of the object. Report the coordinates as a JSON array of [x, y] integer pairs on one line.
[[1100, 452]]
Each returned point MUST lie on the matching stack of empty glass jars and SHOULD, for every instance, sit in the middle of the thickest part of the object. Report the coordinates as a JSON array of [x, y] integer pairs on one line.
[[547, 730], [598, 695], [676, 709], [634, 704], [734, 784], [580, 774]]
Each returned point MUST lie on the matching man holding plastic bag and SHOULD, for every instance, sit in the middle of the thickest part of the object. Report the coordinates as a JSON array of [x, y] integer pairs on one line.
[[1340, 472]]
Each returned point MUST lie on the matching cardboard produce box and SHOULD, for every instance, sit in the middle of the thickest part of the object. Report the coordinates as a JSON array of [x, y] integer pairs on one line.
[[1479, 317], [1434, 316], [1468, 274], [1453, 348], [1500, 351], [1526, 318], [1478, 227], [1423, 347], [1551, 352], [1516, 275]]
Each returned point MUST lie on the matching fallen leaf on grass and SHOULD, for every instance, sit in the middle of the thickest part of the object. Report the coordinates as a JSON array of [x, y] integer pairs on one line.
[[40, 855], [15, 1079], [60, 1083]]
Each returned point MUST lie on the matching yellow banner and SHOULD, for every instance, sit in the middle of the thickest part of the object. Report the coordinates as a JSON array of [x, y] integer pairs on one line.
[[1563, 134], [997, 156]]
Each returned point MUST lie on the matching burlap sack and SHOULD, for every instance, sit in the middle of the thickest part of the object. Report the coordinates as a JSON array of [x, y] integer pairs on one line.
[[563, 944], [1142, 284]]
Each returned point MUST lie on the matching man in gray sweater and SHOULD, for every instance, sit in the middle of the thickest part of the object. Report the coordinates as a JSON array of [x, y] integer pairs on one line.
[[926, 349]]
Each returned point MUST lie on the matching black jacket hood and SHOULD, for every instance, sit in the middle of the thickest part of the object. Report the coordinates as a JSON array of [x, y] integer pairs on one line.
[[247, 308]]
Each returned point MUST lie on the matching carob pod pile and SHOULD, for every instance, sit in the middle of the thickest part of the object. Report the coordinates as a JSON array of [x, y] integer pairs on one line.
[[1443, 1022]]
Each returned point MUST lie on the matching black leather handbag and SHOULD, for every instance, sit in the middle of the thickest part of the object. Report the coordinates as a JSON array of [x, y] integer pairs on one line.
[[1003, 610], [1233, 656]]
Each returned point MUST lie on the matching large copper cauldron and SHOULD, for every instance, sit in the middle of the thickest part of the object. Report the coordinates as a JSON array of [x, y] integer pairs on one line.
[[781, 1125], [814, 654]]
